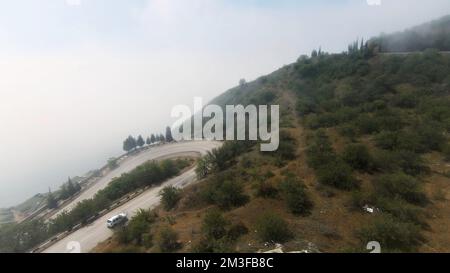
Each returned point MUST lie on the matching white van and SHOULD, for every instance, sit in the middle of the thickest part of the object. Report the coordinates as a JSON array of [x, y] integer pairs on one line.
[[115, 220]]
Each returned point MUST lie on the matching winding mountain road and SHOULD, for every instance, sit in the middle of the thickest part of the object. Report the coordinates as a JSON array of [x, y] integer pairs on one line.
[[89, 236]]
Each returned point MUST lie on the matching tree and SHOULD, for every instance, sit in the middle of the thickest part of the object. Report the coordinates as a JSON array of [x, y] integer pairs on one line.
[[139, 225], [273, 228], [169, 137], [242, 82], [140, 141], [170, 197], [152, 138], [129, 144], [71, 187], [162, 138], [52, 203], [148, 141]]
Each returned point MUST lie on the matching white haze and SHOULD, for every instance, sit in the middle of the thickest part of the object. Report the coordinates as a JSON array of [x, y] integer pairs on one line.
[[69, 96]]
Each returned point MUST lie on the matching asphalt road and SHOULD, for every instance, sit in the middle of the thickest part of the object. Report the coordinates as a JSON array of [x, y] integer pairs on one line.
[[89, 236], [130, 163]]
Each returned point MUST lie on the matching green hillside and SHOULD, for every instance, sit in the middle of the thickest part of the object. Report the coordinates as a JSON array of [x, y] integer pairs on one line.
[[361, 131]]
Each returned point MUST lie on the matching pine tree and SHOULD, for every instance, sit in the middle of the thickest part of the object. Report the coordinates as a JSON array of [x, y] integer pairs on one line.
[[129, 144], [148, 141], [140, 141], [52, 203], [169, 137], [70, 187], [153, 138]]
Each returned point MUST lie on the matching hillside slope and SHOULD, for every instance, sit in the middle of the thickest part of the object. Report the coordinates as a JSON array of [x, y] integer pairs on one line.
[[364, 156]]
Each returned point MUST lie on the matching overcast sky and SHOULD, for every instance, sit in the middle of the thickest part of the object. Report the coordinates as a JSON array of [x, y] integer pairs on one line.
[[78, 76]]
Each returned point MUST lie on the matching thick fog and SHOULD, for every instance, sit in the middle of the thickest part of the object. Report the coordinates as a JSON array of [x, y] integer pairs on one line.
[[78, 76]]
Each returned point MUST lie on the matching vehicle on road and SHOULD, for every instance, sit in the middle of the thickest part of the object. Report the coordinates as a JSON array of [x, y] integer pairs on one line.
[[117, 220]]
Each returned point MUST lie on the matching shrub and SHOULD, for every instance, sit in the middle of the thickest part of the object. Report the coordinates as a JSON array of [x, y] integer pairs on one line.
[[225, 193], [387, 140], [295, 195], [220, 159], [406, 161], [410, 162], [358, 157], [168, 240], [223, 245], [218, 236], [266, 189], [305, 107], [236, 231], [359, 199], [337, 174], [348, 130], [402, 211], [138, 226], [393, 235], [214, 225], [170, 197], [320, 151], [366, 124], [272, 228], [400, 185]]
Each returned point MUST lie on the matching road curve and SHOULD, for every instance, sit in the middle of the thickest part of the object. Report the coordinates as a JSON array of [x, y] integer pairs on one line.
[[89, 236], [132, 162]]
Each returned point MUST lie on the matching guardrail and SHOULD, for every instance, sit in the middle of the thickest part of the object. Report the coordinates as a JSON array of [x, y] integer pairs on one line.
[[90, 220], [115, 204]]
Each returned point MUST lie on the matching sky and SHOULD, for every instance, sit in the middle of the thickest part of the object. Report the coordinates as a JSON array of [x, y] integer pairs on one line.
[[78, 76]]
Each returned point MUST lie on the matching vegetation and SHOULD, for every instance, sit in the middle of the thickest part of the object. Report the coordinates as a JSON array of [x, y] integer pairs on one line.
[[22, 237], [218, 234], [150, 173], [112, 163], [52, 203], [367, 123], [393, 235], [169, 137], [69, 189], [401, 186], [170, 197], [272, 228], [358, 157], [137, 231], [221, 158], [167, 240], [225, 193], [297, 199], [214, 225], [129, 144]]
